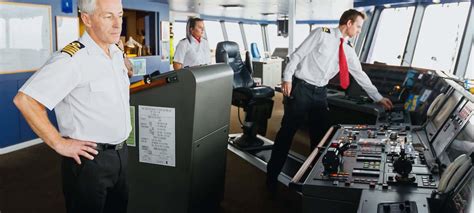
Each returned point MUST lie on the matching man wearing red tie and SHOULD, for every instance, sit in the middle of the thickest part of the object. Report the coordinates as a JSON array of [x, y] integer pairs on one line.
[[322, 55]]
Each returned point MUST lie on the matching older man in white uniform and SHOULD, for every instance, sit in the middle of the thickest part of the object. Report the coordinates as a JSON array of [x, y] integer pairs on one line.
[[194, 49], [87, 85]]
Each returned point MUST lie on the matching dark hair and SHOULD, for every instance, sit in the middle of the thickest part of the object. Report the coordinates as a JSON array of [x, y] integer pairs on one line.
[[350, 14], [192, 22], [190, 25]]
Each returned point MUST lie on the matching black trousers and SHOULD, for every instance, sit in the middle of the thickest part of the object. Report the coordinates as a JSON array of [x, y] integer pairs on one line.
[[96, 186], [306, 101]]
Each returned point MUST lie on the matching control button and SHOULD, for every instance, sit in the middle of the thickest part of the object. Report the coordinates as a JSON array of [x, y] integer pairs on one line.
[[385, 186], [347, 183], [335, 183], [401, 206], [372, 185]]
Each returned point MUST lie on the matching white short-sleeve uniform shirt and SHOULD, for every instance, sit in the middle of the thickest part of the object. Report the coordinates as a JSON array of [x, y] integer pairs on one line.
[[88, 90], [316, 61], [191, 52]]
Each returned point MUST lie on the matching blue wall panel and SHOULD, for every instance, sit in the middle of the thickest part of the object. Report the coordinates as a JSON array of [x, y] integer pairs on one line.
[[9, 124], [13, 127]]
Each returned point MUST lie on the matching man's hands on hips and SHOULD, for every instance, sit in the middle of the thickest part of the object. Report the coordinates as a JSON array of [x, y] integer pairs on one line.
[[286, 88], [386, 103], [74, 148]]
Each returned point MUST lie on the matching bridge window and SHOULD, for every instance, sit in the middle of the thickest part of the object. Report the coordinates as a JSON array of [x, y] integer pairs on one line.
[[234, 34], [179, 32], [470, 66], [3, 33], [439, 39], [214, 34], [276, 41], [254, 34], [301, 32], [391, 35]]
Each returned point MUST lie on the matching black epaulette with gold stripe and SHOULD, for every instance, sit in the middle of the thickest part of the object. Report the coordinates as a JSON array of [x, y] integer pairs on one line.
[[326, 30], [123, 52], [349, 43], [72, 48], [119, 47]]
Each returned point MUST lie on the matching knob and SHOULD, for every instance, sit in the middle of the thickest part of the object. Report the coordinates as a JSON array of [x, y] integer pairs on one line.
[[401, 206], [372, 185]]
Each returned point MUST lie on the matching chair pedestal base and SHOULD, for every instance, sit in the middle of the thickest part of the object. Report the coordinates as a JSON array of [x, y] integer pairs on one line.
[[246, 141]]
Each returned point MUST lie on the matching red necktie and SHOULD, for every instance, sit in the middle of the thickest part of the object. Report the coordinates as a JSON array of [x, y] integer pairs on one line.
[[343, 70]]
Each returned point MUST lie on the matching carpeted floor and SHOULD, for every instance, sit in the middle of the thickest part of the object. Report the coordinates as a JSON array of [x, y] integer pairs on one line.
[[30, 178]]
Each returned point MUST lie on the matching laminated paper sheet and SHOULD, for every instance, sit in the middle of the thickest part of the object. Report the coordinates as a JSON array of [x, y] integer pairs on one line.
[[157, 135]]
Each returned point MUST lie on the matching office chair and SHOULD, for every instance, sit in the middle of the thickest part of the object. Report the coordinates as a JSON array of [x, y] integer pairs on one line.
[[255, 100]]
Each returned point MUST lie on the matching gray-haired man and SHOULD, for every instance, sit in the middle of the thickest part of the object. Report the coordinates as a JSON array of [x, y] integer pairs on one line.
[[88, 86]]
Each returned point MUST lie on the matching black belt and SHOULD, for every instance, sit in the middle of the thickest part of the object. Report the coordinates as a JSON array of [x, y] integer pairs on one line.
[[104, 146], [297, 80]]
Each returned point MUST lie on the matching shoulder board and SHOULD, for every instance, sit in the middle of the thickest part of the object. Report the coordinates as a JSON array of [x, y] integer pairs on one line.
[[119, 47], [183, 39], [349, 43], [326, 30], [123, 52], [72, 48]]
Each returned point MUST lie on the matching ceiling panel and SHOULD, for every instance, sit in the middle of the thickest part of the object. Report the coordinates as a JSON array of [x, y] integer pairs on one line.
[[252, 9]]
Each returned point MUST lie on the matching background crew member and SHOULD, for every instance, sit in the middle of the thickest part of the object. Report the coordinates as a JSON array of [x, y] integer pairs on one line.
[[87, 85], [194, 49], [319, 58]]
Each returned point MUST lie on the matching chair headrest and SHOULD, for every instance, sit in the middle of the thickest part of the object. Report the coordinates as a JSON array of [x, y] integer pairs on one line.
[[254, 50], [229, 47]]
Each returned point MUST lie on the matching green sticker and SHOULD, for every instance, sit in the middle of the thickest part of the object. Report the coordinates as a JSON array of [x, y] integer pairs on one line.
[[131, 137]]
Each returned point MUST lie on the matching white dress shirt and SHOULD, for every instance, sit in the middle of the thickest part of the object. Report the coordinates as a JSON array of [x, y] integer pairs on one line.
[[89, 92], [192, 53], [316, 61]]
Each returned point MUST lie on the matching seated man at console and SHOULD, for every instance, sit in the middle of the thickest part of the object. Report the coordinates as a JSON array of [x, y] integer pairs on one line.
[[318, 59]]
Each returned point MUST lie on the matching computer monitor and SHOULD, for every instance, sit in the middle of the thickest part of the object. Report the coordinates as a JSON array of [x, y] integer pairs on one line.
[[280, 52]]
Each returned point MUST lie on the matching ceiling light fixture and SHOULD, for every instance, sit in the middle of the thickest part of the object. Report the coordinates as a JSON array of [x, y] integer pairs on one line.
[[228, 6]]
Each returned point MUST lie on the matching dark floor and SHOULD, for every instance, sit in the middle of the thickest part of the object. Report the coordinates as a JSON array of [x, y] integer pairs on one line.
[[30, 178]]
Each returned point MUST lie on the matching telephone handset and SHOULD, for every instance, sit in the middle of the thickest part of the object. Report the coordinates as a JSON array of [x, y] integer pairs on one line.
[[455, 171]]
